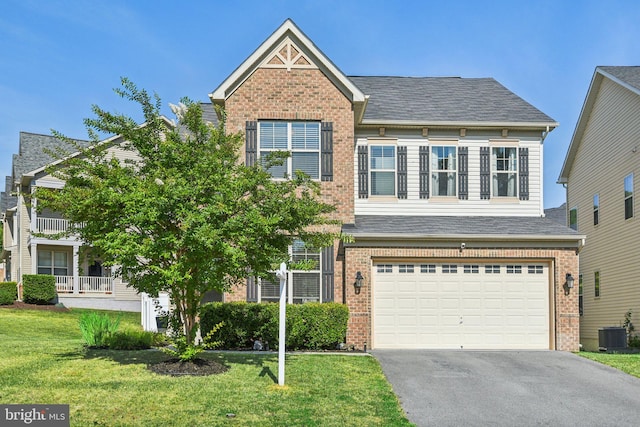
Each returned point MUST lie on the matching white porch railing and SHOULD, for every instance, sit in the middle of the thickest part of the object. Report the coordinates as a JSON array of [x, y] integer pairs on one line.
[[64, 284], [51, 225], [102, 285], [87, 284]]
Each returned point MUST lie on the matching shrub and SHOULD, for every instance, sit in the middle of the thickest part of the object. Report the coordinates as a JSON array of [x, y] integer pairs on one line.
[[133, 340], [8, 293], [311, 326], [39, 288], [97, 328]]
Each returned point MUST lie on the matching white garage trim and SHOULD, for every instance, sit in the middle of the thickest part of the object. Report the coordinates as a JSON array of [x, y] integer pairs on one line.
[[468, 304]]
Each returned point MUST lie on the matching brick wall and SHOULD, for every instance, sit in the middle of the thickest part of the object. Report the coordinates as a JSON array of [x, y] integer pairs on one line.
[[565, 315], [302, 94]]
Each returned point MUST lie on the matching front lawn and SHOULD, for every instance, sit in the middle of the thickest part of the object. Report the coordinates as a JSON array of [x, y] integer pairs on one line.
[[42, 361], [629, 363]]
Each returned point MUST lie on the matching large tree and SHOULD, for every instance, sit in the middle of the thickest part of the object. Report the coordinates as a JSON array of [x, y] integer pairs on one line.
[[185, 215]]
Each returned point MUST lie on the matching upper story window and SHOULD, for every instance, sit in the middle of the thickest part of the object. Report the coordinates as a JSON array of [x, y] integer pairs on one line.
[[383, 170], [443, 170], [504, 171], [573, 218], [628, 196], [301, 139], [596, 209], [596, 284]]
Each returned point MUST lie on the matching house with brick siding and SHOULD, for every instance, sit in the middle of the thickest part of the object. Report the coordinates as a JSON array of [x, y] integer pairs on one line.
[[438, 181]]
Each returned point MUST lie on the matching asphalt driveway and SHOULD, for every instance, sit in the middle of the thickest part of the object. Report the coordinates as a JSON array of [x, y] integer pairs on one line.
[[509, 388]]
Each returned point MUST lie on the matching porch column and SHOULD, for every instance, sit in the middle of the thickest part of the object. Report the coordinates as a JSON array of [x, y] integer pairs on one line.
[[34, 219], [76, 269], [34, 258]]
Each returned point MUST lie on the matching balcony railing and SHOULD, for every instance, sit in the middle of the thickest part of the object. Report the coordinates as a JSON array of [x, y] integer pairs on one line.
[[86, 285], [51, 225]]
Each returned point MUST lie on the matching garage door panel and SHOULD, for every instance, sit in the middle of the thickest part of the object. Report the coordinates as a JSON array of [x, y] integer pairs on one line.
[[461, 310]]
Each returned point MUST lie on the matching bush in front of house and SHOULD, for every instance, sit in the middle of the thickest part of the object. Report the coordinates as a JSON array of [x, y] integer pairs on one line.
[[311, 326], [8, 293], [39, 289], [133, 340]]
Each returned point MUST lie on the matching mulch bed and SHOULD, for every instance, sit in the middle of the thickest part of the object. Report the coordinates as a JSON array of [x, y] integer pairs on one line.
[[198, 367], [25, 306]]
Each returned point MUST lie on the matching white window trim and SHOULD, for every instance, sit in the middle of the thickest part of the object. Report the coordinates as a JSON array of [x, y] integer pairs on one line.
[[290, 274], [495, 171], [434, 160], [289, 149], [378, 143]]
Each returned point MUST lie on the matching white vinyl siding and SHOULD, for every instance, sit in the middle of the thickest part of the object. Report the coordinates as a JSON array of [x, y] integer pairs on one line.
[[474, 206]]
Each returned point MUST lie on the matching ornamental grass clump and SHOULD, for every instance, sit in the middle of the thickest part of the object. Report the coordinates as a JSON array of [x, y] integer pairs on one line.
[[98, 328]]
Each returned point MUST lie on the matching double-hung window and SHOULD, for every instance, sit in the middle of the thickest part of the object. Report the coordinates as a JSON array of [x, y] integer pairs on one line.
[[443, 170], [504, 169], [52, 262], [628, 196], [300, 139], [383, 170], [302, 285]]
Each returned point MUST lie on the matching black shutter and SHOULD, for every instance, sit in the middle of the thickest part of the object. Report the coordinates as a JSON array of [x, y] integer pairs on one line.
[[524, 173], [424, 172], [402, 172], [327, 274], [363, 172], [326, 154], [485, 173], [463, 173], [251, 147], [252, 289]]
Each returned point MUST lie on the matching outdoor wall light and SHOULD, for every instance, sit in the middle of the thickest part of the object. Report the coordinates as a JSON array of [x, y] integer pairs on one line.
[[358, 283], [570, 280]]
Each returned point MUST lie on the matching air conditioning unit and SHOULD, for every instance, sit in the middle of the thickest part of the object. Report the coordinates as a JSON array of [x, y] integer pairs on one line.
[[612, 338]]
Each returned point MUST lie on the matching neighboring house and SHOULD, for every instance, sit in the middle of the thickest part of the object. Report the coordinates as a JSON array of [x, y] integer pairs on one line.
[[600, 174], [439, 183], [30, 245]]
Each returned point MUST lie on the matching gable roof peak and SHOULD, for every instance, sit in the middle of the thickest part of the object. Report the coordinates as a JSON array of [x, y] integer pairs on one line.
[[312, 53]]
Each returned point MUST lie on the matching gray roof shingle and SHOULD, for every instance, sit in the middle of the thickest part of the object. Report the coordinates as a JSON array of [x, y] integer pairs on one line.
[[34, 152], [444, 99], [434, 226], [628, 74]]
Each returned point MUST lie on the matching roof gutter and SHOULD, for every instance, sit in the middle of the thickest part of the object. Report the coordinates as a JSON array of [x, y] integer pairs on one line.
[[549, 126]]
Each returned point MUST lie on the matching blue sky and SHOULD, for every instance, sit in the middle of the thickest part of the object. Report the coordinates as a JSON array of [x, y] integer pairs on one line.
[[60, 57]]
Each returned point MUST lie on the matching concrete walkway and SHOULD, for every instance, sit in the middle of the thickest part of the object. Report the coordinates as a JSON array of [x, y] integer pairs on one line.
[[509, 388]]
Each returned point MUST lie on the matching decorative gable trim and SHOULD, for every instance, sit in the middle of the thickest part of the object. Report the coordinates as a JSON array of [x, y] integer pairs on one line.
[[270, 49], [288, 55]]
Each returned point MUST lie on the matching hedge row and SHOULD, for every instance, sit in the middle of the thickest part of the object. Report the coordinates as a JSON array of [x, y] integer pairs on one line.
[[311, 326], [8, 293], [39, 289]]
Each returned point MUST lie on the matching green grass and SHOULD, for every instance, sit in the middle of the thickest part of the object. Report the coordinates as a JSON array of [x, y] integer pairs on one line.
[[42, 360], [629, 363]]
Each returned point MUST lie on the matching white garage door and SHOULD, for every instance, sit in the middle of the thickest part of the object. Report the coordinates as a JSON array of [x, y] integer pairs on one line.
[[472, 306]]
